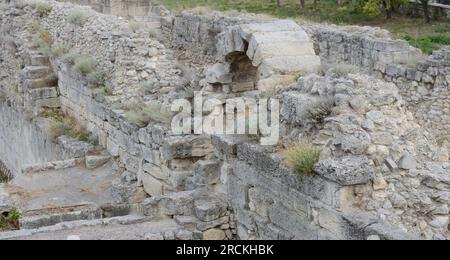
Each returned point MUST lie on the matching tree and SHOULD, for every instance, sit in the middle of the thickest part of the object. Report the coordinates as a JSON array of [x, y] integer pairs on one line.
[[303, 4], [426, 10], [280, 3]]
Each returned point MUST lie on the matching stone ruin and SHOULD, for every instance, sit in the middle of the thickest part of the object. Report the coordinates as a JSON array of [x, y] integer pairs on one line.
[[384, 170]]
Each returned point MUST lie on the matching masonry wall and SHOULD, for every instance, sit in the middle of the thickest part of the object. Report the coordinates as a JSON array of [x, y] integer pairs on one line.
[[423, 81], [124, 8], [24, 142]]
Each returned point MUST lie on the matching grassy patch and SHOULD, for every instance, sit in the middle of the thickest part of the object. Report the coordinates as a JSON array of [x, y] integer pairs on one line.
[[58, 50], [327, 11], [10, 220], [63, 124], [303, 158], [141, 114], [71, 57], [43, 9], [97, 78], [78, 16], [84, 65], [428, 43], [319, 111]]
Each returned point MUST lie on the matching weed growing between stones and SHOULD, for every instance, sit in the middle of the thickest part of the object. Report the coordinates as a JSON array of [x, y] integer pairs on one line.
[[57, 50], [319, 111], [10, 220], [141, 114], [341, 70], [63, 124], [303, 158], [78, 16], [84, 65], [71, 57], [43, 9]]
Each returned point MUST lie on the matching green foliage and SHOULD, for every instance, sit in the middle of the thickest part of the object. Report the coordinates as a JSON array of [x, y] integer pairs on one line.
[[319, 111], [71, 57], [303, 158], [84, 65], [428, 43], [10, 220], [43, 9], [441, 141], [58, 50], [97, 78], [141, 114], [342, 69], [78, 16], [63, 124]]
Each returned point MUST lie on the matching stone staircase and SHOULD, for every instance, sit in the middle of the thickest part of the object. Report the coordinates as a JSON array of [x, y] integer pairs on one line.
[[39, 83]]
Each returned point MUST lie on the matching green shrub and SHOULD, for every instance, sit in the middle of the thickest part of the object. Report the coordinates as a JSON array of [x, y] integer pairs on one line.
[[441, 141], [342, 69], [84, 65], [63, 124], [96, 78], [428, 43], [319, 111], [78, 16], [58, 50], [71, 57], [303, 158], [10, 220], [142, 114], [43, 9]]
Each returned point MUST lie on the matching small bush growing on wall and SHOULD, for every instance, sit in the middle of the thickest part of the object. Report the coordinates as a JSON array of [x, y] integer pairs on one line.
[[10, 220], [319, 111], [84, 65], [78, 16], [43, 9], [141, 114], [57, 50], [303, 158], [97, 78], [71, 57]]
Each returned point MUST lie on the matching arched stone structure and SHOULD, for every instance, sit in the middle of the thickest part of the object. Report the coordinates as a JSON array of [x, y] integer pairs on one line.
[[277, 50]]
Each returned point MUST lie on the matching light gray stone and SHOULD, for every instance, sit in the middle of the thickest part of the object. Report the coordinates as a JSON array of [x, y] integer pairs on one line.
[[350, 170], [407, 162]]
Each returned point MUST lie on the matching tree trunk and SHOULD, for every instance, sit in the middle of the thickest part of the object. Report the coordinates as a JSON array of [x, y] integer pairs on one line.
[[388, 10], [426, 10], [280, 3], [303, 4], [338, 2], [315, 7]]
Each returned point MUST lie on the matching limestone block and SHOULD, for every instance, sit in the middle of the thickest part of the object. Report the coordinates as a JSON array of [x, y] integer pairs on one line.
[[207, 172], [219, 73], [186, 147], [214, 234], [350, 170], [209, 209], [95, 161]]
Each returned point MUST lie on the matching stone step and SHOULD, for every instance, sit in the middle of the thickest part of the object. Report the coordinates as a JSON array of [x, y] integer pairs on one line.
[[129, 227], [35, 72], [39, 60], [42, 93], [37, 218]]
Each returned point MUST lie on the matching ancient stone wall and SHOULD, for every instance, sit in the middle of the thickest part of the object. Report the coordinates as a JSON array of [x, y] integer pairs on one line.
[[423, 82], [25, 142], [124, 8]]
